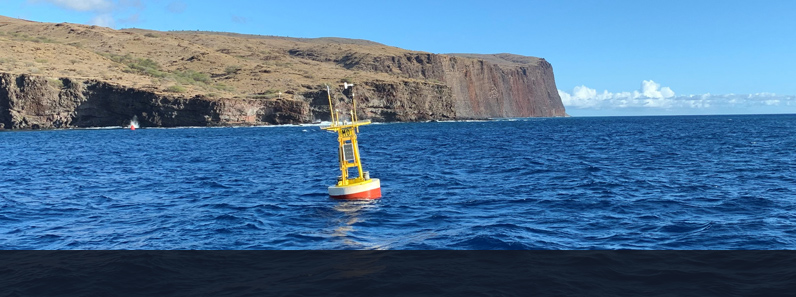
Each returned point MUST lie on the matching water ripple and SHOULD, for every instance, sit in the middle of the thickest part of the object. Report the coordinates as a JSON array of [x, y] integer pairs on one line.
[[709, 182]]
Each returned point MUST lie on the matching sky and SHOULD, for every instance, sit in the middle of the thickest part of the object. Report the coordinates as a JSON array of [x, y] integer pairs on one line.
[[610, 58]]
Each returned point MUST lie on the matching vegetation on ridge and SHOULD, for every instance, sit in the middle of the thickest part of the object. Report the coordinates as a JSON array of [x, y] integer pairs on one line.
[[197, 63]]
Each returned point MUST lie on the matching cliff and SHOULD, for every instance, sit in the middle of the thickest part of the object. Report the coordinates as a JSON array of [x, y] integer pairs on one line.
[[480, 85], [69, 75], [34, 102]]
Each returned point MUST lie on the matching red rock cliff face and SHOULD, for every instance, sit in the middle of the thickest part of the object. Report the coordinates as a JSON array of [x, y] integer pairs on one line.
[[480, 86]]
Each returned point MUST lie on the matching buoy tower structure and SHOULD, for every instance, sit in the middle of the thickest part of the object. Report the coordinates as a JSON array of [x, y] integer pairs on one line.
[[358, 186]]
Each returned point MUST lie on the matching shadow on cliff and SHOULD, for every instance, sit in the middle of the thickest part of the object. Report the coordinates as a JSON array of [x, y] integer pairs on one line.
[[107, 105], [5, 109]]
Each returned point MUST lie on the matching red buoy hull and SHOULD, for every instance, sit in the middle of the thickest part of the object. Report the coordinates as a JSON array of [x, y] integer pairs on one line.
[[367, 191], [367, 195]]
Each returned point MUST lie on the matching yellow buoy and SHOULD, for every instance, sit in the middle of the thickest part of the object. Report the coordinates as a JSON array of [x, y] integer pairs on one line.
[[360, 186]]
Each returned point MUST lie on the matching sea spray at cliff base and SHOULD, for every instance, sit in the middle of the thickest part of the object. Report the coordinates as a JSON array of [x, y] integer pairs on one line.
[[134, 123]]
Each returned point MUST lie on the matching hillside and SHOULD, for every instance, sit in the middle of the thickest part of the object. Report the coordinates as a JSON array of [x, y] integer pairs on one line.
[[70, 75]]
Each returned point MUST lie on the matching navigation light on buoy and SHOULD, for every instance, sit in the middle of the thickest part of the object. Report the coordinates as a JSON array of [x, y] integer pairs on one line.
[[360, 186]]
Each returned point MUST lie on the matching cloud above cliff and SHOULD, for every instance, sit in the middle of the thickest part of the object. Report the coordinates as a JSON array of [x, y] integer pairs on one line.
[[654, 98], [102, 10], [108, 13], [104, 20], [80, 5]]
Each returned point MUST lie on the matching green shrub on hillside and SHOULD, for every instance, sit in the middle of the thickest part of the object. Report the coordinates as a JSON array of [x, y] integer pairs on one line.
[[136, 65], [43, 39], [146, 66], [223, 87], [176, 89], [192, 77], [24, 37]]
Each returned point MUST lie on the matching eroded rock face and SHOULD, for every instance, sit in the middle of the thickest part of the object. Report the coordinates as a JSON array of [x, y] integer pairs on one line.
[[434, 87], [381, 101], [32, 102], [505, 86]]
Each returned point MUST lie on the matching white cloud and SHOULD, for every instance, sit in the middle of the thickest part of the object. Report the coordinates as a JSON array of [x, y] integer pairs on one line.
[[81, 5], [104, 20], [652, 97], [650, 89], [105, 13]]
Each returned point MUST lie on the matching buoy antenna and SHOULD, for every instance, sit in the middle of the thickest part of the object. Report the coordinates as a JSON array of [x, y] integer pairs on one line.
[[331, 107]]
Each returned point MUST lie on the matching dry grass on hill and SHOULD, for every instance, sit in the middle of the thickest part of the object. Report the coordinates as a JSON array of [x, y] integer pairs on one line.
[[189, 62]]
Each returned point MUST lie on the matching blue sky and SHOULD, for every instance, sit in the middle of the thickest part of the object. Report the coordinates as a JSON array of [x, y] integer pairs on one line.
[[609, 57]]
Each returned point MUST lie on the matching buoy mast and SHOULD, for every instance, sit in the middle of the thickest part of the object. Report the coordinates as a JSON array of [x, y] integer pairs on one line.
[[360, 186]]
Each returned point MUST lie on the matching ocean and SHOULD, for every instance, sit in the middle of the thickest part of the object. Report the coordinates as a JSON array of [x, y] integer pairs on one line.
[[664, 182]]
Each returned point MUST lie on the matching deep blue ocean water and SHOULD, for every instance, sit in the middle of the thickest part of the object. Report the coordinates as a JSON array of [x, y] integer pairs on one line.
[[678, 182]]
